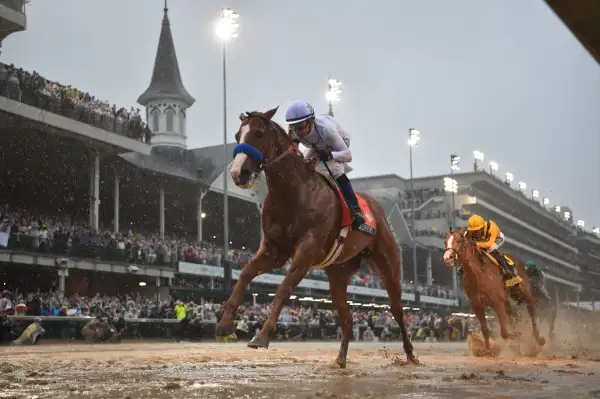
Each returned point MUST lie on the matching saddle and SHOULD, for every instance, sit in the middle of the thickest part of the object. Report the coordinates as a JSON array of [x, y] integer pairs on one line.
[[346, 227], [510, 282]]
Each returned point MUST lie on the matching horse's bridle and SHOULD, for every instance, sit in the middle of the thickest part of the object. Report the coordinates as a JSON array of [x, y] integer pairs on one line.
[[455, 254], [264, 163]]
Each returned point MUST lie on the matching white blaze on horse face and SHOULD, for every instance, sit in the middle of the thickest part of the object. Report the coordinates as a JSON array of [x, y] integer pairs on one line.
[[238, 161], [448, 246]]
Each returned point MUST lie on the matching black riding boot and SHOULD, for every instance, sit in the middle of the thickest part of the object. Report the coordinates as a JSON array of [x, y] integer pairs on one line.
[[357, 216], [352, 201], [507, 270]]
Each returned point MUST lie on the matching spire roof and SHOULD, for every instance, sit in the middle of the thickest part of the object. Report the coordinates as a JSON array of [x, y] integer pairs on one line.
[[166, 79]]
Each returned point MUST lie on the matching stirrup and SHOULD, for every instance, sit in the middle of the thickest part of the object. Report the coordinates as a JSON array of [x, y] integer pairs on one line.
[[357, 220]]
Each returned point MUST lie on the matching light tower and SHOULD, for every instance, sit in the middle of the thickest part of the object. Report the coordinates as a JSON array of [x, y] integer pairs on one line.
[[333, 93], [478, 157], [227, 29], [414, 136]]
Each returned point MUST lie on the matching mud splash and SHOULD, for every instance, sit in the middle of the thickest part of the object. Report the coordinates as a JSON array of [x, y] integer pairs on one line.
[[288, 370]]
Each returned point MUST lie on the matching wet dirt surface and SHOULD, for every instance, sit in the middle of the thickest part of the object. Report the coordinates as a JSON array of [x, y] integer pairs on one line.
[[286, 370]]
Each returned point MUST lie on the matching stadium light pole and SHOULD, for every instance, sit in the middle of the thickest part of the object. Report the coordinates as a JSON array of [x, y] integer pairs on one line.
[[522, 186], [478, 157], [227, 28], [546, 201], [451, 186], [414, 136], [493, 167], [454, 166], [333, 93], [535, 194], [509, 177]]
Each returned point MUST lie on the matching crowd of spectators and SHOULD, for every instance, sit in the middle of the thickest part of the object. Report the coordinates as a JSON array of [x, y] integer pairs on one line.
[[57, 304], [422, 195], [422, 323], [65, 237], [37, 91]]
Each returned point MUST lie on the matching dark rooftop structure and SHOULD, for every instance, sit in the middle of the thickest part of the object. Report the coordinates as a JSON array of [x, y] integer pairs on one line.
[[166, 79], [582, 17]]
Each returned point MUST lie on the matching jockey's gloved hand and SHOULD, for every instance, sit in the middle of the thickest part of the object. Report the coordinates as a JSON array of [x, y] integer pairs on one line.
[[325, 156]]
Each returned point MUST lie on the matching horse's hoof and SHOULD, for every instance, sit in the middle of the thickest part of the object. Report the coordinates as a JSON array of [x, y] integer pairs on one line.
[[258, 342], [341, 363], [225, 330], [412, 358], [541, 341]]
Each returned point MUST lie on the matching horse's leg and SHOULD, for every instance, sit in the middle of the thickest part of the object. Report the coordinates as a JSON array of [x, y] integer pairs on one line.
[[387, 262], [265, 261], [339, 278], [552, 313], [298, 270], [479, 311], [531, 308], [501, 309]]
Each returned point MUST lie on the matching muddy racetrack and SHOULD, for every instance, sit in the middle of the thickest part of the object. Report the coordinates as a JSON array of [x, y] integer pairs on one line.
[[286, 370]]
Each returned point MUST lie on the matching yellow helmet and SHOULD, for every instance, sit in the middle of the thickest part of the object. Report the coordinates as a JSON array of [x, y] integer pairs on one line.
[[475, 222]]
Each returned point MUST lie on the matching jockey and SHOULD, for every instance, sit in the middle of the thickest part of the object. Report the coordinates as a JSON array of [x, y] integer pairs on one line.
[[326, 140], [487, 236], [537, 280], [32, 334]]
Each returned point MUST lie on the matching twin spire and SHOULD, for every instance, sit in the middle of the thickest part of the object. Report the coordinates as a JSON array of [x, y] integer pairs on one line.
[[166, 80]]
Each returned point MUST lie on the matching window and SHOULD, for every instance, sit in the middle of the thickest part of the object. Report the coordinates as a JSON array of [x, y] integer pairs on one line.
[[170, 119], [182, 122], [154, 121]]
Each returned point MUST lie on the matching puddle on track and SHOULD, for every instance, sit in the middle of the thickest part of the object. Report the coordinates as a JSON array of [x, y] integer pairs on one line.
[[287, 370]]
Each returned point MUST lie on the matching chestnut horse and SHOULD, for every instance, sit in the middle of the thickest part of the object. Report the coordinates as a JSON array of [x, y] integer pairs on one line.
[[484, 285], [301, 219]]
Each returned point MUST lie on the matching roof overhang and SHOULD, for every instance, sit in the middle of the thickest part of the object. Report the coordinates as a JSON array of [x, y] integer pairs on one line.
[[582, 17]]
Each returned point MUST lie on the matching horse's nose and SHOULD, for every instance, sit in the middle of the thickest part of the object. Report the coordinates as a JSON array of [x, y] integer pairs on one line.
[[446, 255], [235, 175]]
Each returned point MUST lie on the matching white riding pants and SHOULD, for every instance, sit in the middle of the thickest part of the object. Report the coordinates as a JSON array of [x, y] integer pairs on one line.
[[499, 242], [336, 168]]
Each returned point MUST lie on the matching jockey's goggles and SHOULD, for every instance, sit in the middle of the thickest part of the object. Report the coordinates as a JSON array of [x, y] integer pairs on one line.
[[298, 127]]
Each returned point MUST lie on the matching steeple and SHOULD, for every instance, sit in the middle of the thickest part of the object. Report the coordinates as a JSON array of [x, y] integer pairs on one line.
[[166, 79], [166, 99]]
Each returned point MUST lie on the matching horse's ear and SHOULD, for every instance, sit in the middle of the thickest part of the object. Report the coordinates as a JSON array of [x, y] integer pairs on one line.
[[243, 117], [271, 113], [450, 230]]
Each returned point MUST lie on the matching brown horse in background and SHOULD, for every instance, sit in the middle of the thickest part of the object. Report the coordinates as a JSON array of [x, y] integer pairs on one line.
[[484, 285], [301, 220]]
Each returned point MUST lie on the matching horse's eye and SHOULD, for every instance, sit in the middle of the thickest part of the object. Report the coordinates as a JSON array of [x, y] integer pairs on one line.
[[260, 134]]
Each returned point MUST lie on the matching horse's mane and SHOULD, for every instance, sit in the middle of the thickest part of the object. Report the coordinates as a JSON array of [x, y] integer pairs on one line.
[[279, 130], [276, 125], [460, 230]]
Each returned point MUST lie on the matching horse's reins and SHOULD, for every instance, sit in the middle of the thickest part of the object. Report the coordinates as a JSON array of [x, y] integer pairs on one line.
[[456, 253], [265, 165], [291, 149]]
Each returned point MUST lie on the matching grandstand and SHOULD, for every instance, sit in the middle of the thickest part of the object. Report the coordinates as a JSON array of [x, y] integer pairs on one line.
[[85, 181], [534, 231]]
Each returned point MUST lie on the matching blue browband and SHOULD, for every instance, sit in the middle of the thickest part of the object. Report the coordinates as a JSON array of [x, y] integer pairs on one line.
[[249, 150]]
